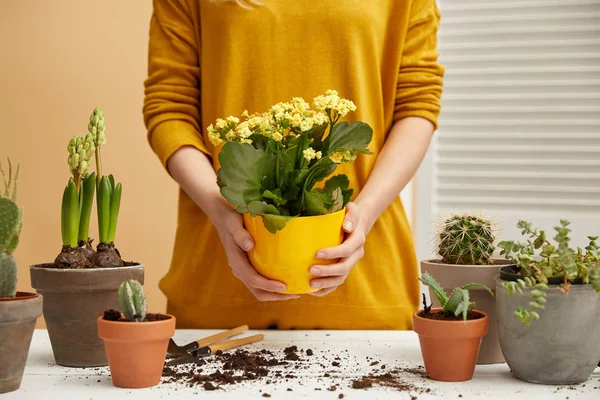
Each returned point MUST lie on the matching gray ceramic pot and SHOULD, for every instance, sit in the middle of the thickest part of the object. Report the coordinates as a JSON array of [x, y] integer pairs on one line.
[[563, 347], [73, 300], [451, 276], [17, 321]]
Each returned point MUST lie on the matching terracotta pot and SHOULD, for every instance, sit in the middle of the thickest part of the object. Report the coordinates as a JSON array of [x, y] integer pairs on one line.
[[450, 348], [287, 255], [451, 276], [136, 351], [17, 321], [73, 298]]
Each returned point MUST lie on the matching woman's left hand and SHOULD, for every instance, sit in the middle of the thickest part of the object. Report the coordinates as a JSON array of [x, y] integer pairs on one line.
[[330, 276]]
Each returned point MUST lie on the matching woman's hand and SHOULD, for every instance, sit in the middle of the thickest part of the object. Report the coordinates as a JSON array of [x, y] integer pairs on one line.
[[237, 242], [330, 276]]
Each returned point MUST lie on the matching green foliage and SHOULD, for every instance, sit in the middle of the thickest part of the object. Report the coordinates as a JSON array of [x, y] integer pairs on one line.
[[467, 240], [86, 200], [132, 300], [109, 203], [459, 300], [275, 173], [539, 260], [8, 275]]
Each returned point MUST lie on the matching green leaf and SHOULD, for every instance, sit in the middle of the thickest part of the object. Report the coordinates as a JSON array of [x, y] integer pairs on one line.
[[354, 136], [259, 141], [319, 171], [339, 181], [70, 214], [453, 302], [314, 202], [338, 201], [260, 207], [274, 195], [244, 172], [478, 285], [316, 134], [115, 204], [437, 289], [111, 179], [103, 205], [88, 189], [274, 223], [291, 189]]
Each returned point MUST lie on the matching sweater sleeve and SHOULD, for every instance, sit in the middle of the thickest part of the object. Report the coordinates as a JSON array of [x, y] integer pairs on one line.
[[420, 76], [172, 90]]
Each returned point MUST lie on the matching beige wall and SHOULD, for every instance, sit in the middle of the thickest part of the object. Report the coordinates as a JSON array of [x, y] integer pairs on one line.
[[58, 60]]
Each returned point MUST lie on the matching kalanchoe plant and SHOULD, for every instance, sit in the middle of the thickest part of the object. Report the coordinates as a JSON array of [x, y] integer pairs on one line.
[[466, 239], [539, 260], [458, 303], [108, 200], [271, 162], [11, 221], [132, 300]]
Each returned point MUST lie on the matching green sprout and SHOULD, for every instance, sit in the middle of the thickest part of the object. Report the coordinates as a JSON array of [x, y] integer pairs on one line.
[[459, 301], [109, 202]]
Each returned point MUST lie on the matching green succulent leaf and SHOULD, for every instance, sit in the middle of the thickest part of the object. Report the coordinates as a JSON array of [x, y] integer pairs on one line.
[[315, 202], [339, 181], [274, 223], [274, 195], [345, 136], [260, 208], [437, 289], [478, 285]]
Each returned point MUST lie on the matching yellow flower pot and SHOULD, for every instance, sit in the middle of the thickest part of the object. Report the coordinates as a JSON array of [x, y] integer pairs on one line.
[[287, 255]]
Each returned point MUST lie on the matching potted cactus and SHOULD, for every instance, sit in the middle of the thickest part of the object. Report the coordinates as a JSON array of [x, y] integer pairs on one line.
[[82, 282], [466, 245], [18, 310], [548, 307], [271, 167], [136, 342], [450, 335]]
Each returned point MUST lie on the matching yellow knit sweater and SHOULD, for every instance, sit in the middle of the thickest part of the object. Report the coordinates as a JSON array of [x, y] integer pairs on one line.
[[213, 59]]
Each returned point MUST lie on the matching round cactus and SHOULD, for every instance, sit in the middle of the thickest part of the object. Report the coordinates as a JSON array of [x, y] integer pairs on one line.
[[466, 240], [8, 275]]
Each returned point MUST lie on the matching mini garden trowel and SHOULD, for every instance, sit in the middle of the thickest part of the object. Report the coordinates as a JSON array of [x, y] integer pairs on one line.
[[175, 349], [195, 354]]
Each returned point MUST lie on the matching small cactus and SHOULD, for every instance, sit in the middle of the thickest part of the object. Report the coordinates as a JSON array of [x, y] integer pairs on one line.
[[132, 300], [10, 228], [466, 240], [8, 275]]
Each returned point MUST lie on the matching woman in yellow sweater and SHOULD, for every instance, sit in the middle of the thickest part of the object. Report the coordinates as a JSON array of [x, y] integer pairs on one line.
[[213, 58]]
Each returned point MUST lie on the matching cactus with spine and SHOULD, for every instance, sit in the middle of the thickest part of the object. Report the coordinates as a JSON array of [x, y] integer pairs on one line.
[[132, 300], [458, 302], [466, 240], [538, 260], [11, 220]]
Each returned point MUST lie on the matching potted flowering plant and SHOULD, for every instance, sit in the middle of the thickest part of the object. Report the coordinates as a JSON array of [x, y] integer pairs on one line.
[[135, 342], [271, 165], [18, 310], [548, 307], [82, 282]]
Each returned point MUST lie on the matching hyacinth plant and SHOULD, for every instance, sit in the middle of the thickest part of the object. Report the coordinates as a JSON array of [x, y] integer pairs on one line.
[[271, 162], [538, 260], [78, 198], [455, 305], [466, 240], [11, 221]]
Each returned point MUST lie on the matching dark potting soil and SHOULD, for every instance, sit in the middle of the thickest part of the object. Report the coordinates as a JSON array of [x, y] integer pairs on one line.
[[267, 368], [442, 316], [113, 315]]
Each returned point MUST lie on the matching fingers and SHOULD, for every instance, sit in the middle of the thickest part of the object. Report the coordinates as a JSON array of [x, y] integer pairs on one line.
[[352, 216], [238, 261], [342, 267], [262, 295], [323, 292], [242, 238], [355, 241]]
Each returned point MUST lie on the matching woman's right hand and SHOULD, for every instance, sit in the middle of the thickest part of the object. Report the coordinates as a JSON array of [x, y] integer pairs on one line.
[[237, 242]]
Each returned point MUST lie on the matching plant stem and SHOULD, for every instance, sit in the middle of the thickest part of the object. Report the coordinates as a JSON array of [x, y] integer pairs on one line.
[[277, 168], [98, 166]]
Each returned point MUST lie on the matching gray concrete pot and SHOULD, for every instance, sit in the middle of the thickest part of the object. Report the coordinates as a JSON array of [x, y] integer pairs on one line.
[[73, 300], [17, 321], [563, 347], [451, 276]]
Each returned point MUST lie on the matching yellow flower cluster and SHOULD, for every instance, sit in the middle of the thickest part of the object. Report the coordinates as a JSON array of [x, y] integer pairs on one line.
[[342, 156], [332, 102], [310, 154], [282, 121]]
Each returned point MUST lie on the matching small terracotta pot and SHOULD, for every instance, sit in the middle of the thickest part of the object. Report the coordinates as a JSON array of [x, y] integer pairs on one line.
[[450, 348], [136, 351], [17, 321], [287, 255]]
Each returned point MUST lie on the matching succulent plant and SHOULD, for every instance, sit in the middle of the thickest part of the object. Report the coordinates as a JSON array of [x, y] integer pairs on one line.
[[11, 220], [132, 300], [466, 239], [459, 300], [539, 260]]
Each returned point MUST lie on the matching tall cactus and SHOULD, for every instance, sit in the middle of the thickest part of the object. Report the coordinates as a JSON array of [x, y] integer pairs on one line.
[[132, 300], [11, 219], [467, 240]]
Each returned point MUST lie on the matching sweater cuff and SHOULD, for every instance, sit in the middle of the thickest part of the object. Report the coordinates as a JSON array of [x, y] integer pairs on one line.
[[428, 115], [169, 136]]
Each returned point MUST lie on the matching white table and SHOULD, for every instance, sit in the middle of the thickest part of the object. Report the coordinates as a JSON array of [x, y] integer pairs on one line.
[[45, 380]]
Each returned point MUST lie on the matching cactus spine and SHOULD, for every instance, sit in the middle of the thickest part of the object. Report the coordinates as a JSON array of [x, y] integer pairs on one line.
[[132, 300], [466, 240], [10, 228]]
